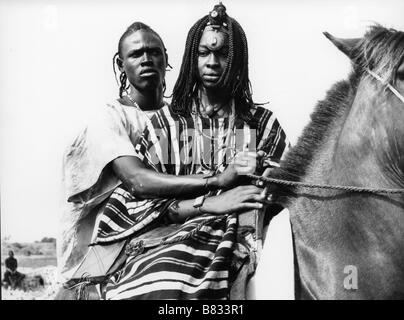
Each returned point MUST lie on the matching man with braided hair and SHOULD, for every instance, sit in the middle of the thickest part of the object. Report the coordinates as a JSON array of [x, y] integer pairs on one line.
[[214, 67], [177, 208]]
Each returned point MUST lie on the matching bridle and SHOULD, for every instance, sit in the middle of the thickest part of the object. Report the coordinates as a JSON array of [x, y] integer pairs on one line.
[[385, 83]]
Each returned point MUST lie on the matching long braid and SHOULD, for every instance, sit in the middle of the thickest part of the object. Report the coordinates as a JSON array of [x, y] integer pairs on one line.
[[185, 87], [242, 88], [192, 82], [189, 92], [240, 85], [122, 80], [124, 86], [234, 78], [226, 80]]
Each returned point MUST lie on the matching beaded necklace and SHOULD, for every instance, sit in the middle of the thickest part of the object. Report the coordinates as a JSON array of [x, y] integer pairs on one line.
[[200, 135]]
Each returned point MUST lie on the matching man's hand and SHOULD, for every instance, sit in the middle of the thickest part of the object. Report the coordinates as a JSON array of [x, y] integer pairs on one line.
[[245, 162], [235, 200]]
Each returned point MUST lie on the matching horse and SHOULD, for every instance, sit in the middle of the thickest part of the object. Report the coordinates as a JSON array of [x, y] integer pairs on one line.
[[343, 181]]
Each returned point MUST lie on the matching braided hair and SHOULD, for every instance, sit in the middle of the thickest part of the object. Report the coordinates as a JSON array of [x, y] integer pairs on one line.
[[234, 78], [117, 58]]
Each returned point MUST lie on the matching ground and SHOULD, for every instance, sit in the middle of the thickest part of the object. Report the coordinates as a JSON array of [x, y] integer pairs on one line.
[[37, 258]]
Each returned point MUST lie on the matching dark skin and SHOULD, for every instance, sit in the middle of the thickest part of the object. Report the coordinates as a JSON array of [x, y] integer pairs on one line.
[[239, 199], [143, 60], [146, 183], [212, 60]]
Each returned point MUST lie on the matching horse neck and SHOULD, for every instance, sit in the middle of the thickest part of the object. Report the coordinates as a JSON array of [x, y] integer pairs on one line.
[[364, 148], [335, 228], [369, 149]]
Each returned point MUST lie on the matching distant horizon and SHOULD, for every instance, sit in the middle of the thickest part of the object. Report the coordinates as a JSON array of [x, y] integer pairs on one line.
[[13, 240]]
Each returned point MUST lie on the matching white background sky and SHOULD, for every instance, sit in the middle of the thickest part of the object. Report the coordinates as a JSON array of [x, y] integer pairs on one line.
[[56, 68]]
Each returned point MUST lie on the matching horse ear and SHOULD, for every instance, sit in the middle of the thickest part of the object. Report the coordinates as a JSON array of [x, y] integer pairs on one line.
[[347, 46]]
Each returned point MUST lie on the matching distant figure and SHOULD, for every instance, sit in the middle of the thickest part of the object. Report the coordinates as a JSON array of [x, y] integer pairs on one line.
[[12, 277]]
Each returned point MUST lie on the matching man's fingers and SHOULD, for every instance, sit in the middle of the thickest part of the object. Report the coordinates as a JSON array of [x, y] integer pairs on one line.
[[255, 197], [250, 205], [245, 162], [249, 189]]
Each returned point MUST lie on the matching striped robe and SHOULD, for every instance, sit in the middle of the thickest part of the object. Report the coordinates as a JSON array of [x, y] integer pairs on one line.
[[198, 260]]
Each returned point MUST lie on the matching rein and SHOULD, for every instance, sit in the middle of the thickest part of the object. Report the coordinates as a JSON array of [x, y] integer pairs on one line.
[[391, 88], [343, 188], [325, 186]]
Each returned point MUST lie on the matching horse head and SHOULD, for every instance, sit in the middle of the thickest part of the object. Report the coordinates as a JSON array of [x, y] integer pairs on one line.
[[355, 139], [373, 131]]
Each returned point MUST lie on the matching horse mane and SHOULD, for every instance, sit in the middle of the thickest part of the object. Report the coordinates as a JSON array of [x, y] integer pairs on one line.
[[297, 161], [380, 50]]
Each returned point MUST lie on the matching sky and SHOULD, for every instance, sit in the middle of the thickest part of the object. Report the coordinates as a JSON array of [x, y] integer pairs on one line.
[[56, 70]]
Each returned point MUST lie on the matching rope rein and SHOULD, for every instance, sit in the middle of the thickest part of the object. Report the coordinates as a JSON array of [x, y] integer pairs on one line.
[[344, 188], [324, 186]]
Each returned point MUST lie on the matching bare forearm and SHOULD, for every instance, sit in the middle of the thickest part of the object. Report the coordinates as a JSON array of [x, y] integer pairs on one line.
[[238, 200], [146, 183], [150, 184]]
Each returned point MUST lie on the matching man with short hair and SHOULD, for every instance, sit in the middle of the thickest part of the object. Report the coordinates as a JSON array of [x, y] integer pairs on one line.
[[88, 176]]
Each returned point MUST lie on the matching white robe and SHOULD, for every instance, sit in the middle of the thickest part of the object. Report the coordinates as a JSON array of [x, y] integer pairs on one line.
[[88, 178]]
